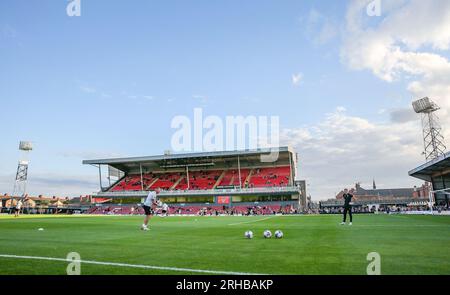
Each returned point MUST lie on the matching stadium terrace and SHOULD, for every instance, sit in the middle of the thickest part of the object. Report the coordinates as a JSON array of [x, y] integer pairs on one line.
[[218, 179]]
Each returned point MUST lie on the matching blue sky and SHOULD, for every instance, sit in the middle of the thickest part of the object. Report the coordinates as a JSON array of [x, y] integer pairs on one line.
[[109, 82]]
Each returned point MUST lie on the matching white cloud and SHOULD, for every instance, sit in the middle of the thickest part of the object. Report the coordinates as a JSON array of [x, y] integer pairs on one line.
[[344, 149], [403, 115], [405, 43], [341, 109], [297, 79]]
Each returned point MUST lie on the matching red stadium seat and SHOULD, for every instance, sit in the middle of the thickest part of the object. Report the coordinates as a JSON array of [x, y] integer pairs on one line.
[[268, 177], [206, 179]]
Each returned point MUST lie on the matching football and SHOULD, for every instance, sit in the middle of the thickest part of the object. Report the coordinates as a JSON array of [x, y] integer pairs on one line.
[[249, 234], [278, 234], [267, 234]]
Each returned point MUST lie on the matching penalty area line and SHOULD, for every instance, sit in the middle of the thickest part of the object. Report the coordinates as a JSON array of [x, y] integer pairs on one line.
[[251, 221], [128, 265]]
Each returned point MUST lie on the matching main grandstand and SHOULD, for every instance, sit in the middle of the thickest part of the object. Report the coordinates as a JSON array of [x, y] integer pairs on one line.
[[231, 181]]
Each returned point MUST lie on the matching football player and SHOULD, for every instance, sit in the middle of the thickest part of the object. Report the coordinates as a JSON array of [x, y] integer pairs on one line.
[[149, 206]]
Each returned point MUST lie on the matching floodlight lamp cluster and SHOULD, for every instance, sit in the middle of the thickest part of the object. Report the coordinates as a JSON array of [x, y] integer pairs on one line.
[[25, 146], [424, 105]]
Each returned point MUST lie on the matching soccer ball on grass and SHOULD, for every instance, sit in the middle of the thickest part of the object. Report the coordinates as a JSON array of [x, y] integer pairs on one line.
[[267, 234], [278, 234]]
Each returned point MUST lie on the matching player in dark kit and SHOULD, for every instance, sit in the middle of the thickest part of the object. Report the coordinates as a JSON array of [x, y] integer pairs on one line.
[[347, 206]]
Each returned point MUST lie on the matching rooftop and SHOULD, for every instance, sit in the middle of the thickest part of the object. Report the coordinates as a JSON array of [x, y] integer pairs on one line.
[[251, 156], [433, 168]]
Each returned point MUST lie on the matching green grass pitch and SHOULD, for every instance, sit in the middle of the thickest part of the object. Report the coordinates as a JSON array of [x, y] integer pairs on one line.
[[314, 244]]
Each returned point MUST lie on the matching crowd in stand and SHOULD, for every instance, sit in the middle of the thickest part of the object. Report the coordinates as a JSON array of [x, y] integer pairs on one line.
[[384, 209], [400, 209], [248, 210], [198, 210], [340, 209]]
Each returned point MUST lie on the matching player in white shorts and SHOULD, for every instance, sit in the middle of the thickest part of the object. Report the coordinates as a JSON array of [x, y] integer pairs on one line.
[[149, 206], [18, 208], [165, 210]]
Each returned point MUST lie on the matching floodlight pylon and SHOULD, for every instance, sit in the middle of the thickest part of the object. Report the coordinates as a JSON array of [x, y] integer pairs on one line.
[[433, 139], [20, 184]]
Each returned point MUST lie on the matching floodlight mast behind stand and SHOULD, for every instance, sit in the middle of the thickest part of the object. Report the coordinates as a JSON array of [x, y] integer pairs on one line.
[[432, 137], [433, 140], [20, 184]]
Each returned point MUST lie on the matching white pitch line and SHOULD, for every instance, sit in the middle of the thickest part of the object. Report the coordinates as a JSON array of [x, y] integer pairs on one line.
[[400, 225], [250, 221], [128, 265]]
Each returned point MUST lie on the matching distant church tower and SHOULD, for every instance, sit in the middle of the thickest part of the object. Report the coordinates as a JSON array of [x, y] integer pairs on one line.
[[374, 185]]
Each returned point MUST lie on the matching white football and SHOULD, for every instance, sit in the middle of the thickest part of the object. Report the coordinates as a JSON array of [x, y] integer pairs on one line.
[[278, 234], [249, 234], [267, 234]]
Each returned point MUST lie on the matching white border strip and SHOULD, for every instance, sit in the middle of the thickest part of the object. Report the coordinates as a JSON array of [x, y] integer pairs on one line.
[[128, 265]]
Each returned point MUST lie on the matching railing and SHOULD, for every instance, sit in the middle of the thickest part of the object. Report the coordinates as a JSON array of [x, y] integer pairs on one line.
[[230, 191], [212, 204]]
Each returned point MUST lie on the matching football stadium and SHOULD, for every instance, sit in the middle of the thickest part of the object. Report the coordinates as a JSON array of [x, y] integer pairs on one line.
[[214, 200], [235, 182]]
